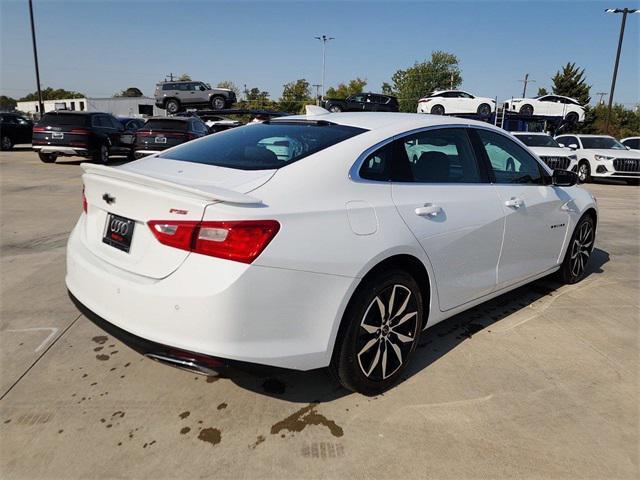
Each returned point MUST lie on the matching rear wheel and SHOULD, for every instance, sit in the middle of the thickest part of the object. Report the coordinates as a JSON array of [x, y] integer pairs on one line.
[[484, 109], [584, 171], [437, 110], [47, 157], [217, 103], [172, 106], [572, 118], [6, 143], [383, 323], [102, 154], [526, 110], [335, 108], [574, 266]]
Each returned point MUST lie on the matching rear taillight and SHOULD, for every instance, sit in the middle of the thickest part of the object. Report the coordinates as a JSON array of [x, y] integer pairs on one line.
[[39, 129], [240, 241], [424, 100], [80, 131], [85, 206]]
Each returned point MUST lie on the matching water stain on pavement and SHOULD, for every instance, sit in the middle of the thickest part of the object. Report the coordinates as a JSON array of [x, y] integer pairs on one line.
[[185, 430], [211, 379], [304, 417], [102, 357], [100, 339], [222, 406], [210, 435], [184, 415], [259, 440]]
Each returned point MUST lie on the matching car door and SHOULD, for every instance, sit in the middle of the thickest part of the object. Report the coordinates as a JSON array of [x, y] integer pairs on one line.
[[113, 129], [356, 102], [25, 130], [443, 195], [536, 213]]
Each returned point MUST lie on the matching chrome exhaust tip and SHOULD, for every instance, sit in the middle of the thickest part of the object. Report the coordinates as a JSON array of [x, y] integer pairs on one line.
[[183, 364]]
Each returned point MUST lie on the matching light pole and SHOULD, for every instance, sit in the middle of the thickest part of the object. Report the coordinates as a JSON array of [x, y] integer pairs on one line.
[[317, 86], [35, 58], [624, 12], [324, 39]]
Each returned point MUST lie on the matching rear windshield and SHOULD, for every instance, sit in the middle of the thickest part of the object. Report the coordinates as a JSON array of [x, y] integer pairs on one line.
[[166, 125], [537, 140], [606, 143], [72, 119], [262, 146]]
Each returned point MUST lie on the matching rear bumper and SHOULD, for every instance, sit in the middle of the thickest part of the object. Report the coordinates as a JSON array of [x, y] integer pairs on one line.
[[218, 308], [145, 153], [61, 150]]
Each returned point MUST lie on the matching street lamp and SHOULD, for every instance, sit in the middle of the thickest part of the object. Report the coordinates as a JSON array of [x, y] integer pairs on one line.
[[624, 12], [324, 39]]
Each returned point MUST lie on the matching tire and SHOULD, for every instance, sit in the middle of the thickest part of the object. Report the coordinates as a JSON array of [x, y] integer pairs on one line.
[[335, 109], [526, 110], [584, 171], [217, 102], [6, 143], [102, 154], [437, 110], [571, 118], [372, 342], [484, 109], [172, 106], [575, 261], [47, 157]]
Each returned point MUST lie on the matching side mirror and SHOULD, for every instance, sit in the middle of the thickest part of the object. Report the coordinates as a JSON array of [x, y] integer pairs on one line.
[[573, 146], [563, 145], [564, 178]]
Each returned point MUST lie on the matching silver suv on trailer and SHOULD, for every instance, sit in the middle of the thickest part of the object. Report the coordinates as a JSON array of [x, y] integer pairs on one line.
[[176, 96]]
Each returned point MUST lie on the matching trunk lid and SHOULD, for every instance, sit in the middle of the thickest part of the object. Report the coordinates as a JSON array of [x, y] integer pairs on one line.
[[157, 189], [62, 129], [160, 134]]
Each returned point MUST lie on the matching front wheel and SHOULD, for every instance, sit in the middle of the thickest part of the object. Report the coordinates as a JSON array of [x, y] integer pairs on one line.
[[484, 110], [6, 143], [383, 323], [571, 118], [437, 110], [47, 157], [574, 266], [526, 110], [335, 109], [217, 103], [584, 172], [172, 106]]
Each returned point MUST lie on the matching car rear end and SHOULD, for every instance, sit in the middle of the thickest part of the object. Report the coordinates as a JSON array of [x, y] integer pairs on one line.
[[64, 133], [159, 134]]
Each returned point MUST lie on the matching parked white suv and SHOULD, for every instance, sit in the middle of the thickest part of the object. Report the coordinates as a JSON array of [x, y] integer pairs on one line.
[[455, 101], [632, 142], [602, 156], [547, 106], [549, 151]]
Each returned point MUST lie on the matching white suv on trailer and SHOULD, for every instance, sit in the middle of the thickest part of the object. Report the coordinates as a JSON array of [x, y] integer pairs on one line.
[[443, 102]]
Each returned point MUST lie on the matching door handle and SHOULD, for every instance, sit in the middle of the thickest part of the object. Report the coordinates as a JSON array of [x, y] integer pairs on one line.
[[428, 210], [514, 202]]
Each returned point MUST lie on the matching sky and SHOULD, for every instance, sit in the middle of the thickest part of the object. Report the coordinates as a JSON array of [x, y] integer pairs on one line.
[[102, 47]]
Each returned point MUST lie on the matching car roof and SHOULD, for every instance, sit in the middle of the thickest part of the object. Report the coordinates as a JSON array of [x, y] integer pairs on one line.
[[175, 119], [530, 133], [382, 120], [73, 112]]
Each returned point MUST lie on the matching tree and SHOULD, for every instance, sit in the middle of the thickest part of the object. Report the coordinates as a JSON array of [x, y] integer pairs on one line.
[[231, 86], [7, 104], [440, 72], [257, 99], [542, 91], [185, 77], [570, 82], [387, 89], [130, 92], [295, 95], [624, 122], [52, 94], [344, 90]]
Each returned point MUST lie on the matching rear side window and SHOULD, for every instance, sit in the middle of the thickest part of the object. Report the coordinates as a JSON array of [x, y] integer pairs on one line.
[[633, 143], [262, 146], [64, 119], [162, 124], [169, 86]]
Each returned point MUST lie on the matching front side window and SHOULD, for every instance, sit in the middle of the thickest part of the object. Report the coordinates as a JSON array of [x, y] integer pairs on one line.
[[442, 155], [509, 161], [262, 146], [358, 98]]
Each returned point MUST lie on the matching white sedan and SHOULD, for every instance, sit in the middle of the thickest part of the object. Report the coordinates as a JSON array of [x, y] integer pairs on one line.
[[549, 151], [222, 252], [455, 102], [548, 106]]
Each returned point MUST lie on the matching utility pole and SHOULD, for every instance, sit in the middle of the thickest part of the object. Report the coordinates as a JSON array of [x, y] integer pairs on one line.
[[317, 85], [35, 58], [170, 76], [324, 39], [601, 95], [624, 12], [526, 81]]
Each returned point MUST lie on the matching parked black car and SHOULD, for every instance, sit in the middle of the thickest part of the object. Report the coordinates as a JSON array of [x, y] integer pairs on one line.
[[92, 135], [363, 102], [160, 133], [14, 129]]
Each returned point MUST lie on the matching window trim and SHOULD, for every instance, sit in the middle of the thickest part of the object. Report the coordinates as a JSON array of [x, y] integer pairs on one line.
[[354, 171]]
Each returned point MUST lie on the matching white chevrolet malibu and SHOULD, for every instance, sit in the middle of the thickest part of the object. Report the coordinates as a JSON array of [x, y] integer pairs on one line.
[[337, 253]]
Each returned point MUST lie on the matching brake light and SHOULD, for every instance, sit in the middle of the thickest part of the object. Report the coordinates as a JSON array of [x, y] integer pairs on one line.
[[240, 241], [80, 131], [85, 205], [424, 100], [39, 129]]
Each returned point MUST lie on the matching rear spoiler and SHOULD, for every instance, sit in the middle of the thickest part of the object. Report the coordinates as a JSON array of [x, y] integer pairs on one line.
[[202, 192]]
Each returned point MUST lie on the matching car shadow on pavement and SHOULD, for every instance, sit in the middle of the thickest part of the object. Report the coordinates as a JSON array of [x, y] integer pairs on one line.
[[317, 386]]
